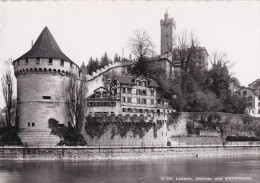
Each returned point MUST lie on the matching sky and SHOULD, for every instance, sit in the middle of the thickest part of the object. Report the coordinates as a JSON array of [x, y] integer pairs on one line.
[[85, 29]]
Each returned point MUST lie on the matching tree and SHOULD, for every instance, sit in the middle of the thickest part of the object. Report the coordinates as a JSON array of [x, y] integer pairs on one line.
[[141, 44], [116, 58], [8, 90], [104, 61], [186, 50], [92, 65], [220, 74], [75, 91]]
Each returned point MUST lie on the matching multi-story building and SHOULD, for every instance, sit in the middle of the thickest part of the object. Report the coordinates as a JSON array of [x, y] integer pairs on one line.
[[128, 95], [252, 98]]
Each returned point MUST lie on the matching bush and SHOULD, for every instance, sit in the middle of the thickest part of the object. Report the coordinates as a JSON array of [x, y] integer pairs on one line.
[[70, 136], [242, 138], [9, 136]]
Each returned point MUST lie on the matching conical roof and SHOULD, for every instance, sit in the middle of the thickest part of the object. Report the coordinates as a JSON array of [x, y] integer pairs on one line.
[[45, 47]]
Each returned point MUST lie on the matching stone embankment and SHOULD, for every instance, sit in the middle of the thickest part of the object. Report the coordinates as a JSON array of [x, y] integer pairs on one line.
[[92, 153]]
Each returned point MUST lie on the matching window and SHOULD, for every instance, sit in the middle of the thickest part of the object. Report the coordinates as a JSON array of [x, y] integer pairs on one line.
[[50, 61], [152, 92], [113, 104], [137, 92], [152, 101], [123, 90], [249, 105], [129, 110], [123, 99], [26, 61], [98, 95], [138, 100], [70, 64], [141, 110], [98, 103], [18, 63], [244, 92], [259, 104], [62, 62], [129, 90], [29, 124], [106, 104], [112, 113], [143, 83], [129, 99], [144, 92], [46, 97], [33, 124], [166, 35], [124, 110], [138, 83], [37, 60], [144, 101], [105, 94], [249, 98], [105, 113], [115, 91]]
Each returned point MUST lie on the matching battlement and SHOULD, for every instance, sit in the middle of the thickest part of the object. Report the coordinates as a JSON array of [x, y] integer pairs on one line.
[[45, 65], [107, 68]]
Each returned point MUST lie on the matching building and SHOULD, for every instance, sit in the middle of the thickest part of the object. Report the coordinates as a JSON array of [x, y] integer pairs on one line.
[[168, 31], [167, 61], [252, 98], [129, 95], [42, 76]]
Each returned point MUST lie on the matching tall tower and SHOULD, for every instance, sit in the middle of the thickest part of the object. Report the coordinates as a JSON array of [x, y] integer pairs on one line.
[[42, 77], [168, 29]]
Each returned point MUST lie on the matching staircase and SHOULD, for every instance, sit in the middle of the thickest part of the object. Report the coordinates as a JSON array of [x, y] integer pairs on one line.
[[38, 138]]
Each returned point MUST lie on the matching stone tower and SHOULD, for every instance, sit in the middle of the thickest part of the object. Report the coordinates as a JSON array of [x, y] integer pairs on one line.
[[42, 76], [168, 29]]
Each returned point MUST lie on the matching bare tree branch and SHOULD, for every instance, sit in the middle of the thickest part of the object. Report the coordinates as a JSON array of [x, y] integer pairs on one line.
[[76, 90], [8, 89], [141, 44]]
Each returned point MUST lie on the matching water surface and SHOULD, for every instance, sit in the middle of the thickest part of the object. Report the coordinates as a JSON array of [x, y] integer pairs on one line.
[[128, 171]]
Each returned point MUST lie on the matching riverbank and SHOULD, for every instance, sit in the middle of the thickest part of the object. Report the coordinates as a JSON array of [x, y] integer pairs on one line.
[[96, 153]]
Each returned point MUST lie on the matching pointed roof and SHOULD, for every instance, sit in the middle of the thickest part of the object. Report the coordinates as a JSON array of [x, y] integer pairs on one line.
[[45, 47]]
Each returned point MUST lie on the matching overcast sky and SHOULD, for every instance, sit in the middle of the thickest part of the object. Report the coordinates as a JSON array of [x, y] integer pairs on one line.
[[84, 29]]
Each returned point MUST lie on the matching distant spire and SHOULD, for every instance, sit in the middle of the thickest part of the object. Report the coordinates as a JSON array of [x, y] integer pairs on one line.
[[166, 15]]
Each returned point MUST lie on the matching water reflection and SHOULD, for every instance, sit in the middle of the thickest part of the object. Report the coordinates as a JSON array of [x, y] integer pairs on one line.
[[128, 171]]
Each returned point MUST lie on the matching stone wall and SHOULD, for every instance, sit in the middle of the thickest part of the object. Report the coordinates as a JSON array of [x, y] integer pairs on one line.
[[153, 135]]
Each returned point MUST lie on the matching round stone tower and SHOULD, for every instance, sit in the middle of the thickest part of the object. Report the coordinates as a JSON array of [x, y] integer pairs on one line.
[[42, 77]]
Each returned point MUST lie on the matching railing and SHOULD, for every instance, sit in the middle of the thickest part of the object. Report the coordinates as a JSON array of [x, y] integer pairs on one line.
[[173, 144]]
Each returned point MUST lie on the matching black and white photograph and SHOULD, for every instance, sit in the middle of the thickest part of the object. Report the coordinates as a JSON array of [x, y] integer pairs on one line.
[[129, 91]]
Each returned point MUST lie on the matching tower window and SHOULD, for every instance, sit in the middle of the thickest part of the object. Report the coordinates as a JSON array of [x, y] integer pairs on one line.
[[37, 60], [50, 61], [46, 97], [26, 61], [62, 62]]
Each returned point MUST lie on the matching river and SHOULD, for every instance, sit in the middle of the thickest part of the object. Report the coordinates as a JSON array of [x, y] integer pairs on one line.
[[237, 169]]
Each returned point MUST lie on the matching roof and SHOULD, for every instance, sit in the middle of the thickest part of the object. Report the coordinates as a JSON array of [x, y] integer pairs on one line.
[[254, 82], [45, 47], [126, 79], [251, 89], [101, 87]]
